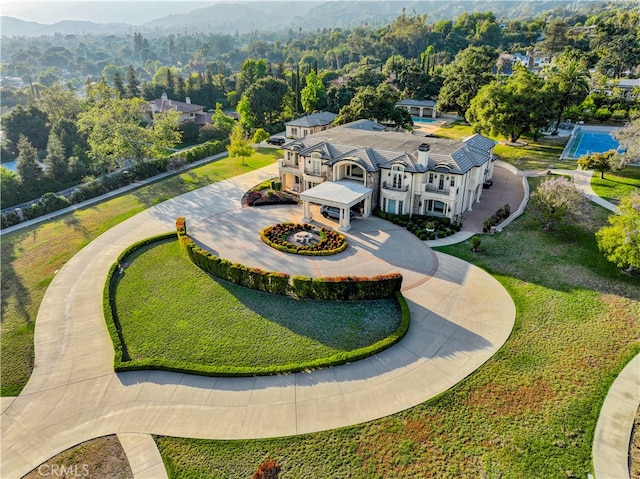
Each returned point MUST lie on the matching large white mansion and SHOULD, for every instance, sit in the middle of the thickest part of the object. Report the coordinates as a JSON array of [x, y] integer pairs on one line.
[[361, 163]]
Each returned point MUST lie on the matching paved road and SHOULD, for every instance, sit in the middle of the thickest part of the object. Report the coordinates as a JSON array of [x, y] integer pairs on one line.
[[73, 394]]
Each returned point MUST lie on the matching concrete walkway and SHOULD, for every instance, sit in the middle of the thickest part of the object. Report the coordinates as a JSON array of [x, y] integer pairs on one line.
[[615, 423], [73, 394]]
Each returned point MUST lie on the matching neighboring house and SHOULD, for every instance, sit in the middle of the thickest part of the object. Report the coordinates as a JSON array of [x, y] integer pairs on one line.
[[400, 173], [307, 125], [188, 111], [420, 108], [630, 87]]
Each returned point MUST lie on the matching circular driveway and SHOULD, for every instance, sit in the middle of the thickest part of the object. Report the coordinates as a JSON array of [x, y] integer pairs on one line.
[[460, 317]]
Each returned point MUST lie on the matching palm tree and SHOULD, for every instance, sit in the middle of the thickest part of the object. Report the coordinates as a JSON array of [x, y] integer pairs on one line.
[[570, 80]]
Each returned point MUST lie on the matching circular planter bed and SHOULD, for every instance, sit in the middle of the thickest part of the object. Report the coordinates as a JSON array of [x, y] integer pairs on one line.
[[303, 239]]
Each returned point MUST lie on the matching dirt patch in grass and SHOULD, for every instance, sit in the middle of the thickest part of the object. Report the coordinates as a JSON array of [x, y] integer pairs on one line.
[[506, 401], [101, 458]]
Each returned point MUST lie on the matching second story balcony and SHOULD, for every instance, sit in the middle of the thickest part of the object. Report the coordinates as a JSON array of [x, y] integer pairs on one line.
[[387, 185], [291, 164], [434, 189]]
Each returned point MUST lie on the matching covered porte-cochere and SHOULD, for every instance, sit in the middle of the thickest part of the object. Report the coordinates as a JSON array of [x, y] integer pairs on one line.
[[341, 194]]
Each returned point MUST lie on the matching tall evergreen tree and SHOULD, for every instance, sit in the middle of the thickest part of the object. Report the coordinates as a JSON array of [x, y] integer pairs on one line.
[[132, 90], [30, 171], [118, 84], [56, 160]]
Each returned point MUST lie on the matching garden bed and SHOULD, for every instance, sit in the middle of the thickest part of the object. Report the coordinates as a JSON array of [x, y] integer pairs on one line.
[[268, 193], [304, 239], [424, 227]]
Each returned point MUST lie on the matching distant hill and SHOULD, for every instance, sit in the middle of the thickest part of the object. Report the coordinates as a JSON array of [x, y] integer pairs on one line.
[[10, 26], [247, 16]]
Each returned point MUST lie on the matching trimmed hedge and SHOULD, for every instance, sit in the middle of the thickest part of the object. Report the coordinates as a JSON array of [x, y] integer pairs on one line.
[[330, 242], [347, 288]]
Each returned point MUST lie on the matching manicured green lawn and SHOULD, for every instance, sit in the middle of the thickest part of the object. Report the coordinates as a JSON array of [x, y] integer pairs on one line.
[[616, 184], [172, 312], [540, 154], [529, 412], [30, 257]]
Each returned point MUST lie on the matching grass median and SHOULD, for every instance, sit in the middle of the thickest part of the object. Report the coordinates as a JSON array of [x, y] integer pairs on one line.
[[530, 411], [174, 316], [31, 257]]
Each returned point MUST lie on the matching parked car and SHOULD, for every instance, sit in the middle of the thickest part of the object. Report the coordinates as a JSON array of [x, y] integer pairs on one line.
[[276, 140], [333, 212]]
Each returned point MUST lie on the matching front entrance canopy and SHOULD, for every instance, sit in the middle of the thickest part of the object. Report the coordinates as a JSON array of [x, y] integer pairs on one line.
[[342, 194]]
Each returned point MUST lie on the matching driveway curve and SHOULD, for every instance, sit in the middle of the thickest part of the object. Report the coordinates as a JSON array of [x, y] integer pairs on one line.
[[460, 317]]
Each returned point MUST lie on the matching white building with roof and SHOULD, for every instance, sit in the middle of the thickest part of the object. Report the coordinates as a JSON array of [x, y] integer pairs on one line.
[[310, 124], [398, 172], [420, 108]]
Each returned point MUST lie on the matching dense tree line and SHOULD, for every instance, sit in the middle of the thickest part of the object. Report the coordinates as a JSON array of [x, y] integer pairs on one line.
[[271, 78]]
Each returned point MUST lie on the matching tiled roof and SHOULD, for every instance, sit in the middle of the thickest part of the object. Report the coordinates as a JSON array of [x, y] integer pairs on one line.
[[315, 119], [376, 150], [423, 103]]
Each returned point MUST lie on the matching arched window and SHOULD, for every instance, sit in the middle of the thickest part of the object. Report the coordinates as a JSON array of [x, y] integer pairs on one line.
[[397, 177]]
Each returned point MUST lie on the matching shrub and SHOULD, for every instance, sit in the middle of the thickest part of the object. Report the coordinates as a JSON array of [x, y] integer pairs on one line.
[[475, 243], [50, 202], [346, 288], [10, 218]]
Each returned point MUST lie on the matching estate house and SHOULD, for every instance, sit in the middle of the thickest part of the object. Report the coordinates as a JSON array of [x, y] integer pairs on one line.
[[362, 164], [188, 111]]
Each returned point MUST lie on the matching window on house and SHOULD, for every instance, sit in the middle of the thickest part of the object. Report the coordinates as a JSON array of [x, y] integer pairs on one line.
[[294, 131], [453, 181], [441, 183], [354, 171], [430, 177], [315, 163], [397, 176]]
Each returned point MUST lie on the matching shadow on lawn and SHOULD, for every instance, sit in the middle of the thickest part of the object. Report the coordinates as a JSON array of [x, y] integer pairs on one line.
[[11, 284]]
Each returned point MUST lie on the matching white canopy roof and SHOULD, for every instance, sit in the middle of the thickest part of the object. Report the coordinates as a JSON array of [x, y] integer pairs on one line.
[[343, 193]]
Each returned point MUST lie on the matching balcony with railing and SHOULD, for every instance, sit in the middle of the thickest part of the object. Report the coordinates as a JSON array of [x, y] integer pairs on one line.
[[434, 189], [387, 185], [288, 165]]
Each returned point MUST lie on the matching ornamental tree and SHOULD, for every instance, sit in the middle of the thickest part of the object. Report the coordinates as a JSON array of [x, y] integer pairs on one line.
[[620, 240], [558, 201], [239, 145], [597, 161]]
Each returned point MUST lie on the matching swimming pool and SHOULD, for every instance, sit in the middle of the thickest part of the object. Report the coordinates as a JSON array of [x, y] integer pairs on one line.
[[586, 142], [419, 119]]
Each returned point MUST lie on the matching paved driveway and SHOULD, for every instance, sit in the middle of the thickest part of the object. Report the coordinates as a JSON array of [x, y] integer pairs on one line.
[[460, 317]]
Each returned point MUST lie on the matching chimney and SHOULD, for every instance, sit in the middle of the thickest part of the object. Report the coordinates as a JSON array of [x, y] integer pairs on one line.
[[154, 107], [423, 154], [164, 97], [188, 100]]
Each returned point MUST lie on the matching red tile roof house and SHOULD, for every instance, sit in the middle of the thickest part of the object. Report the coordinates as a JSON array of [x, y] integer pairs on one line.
[[188, 111]]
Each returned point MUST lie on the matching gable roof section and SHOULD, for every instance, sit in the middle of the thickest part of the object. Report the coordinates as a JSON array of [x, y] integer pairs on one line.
[[315, 119], [422, 103]]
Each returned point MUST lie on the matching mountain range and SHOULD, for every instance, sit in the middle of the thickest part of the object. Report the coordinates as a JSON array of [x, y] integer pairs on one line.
[[245, 16]]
